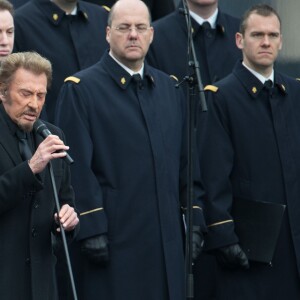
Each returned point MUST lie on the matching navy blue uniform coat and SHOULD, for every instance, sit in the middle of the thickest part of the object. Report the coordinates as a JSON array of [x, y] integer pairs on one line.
[[26, 220], [127, 142], [216, 54], [168, 51], [250, 148], [71, 43]]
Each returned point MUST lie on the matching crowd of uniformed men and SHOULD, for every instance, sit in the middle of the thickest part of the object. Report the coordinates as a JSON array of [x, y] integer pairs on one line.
[[114, 72]]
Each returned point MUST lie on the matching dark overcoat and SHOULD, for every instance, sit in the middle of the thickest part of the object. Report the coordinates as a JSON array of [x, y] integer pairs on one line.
[[250, 148], [71, 43], [27, 209], [216, 55], [127, 140]]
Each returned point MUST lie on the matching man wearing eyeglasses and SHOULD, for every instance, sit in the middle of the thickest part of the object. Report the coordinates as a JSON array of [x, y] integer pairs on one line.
[[125, 123]]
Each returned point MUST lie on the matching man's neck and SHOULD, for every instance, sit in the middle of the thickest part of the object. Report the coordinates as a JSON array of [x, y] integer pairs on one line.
[[68, 7], [130, 67], [204, 11]]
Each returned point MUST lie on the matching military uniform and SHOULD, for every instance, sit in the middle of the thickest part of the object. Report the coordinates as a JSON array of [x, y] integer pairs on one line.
[[126, 140], [250, 149], [216, 49], [216, 53], [71, 43]]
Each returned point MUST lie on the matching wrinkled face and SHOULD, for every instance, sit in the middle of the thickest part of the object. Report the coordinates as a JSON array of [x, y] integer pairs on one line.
[[6, 33], [130, 33], [261, 42], [25, 97]]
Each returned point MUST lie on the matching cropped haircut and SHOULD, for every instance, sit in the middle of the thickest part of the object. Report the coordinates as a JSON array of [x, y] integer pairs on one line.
[[6, 5], [259, 9]]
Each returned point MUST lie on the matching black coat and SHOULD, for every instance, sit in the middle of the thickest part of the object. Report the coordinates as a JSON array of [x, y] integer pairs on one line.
[[250, 148], [71, 43], [27, 219], [129, 179], [168, 51]]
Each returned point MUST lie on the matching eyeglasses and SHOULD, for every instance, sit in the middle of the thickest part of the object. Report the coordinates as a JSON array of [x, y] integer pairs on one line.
[[124, 28]]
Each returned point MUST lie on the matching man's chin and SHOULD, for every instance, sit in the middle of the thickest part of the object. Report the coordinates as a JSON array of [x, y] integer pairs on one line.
[[27, 127]]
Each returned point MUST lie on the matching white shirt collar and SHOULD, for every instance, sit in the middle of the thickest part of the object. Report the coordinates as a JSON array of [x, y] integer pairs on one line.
[[260, 77], [212, 19], [73, 12], [141, 71]]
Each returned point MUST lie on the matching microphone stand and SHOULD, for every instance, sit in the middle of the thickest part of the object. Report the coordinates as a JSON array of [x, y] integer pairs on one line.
[[193, 80], [62, 231]]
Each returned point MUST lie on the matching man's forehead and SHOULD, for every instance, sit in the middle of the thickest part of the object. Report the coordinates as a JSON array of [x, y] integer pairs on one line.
[[129, 14], [261, 23], [253, 17], [28, 80]]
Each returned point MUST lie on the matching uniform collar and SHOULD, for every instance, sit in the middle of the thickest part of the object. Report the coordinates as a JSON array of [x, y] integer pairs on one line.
[[259, 76], [120, 75], [141, 71], [212, 20], [252, 84], [55, 14], [219, 23]]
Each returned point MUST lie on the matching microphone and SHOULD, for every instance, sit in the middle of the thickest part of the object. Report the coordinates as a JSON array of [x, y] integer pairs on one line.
[[40, 128]]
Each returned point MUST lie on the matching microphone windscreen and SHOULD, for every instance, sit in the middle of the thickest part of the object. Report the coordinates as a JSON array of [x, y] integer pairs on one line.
[[39, 126]]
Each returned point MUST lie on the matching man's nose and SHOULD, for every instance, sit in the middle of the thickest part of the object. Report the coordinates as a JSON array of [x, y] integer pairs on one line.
[[266, 40]]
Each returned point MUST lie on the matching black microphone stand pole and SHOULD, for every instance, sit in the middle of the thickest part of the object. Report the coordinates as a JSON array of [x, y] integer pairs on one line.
[[193, 81], [62, 231]]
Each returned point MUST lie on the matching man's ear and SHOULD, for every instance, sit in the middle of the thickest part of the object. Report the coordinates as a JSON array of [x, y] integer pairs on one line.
[[108, 34], [239, 40], [3, 93]]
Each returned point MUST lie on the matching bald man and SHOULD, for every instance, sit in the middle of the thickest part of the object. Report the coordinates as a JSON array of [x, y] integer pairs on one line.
[[125, 123]]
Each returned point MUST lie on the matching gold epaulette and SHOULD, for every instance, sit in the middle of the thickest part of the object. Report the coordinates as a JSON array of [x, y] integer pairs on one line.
[[174, 77], [211, 88], [106, 8], [72, 78]]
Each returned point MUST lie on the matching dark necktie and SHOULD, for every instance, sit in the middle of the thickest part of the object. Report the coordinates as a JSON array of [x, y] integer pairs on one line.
[[268, 84], [24, 148], [136, 77], [138, 80], [206, 29], [205, 33]]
